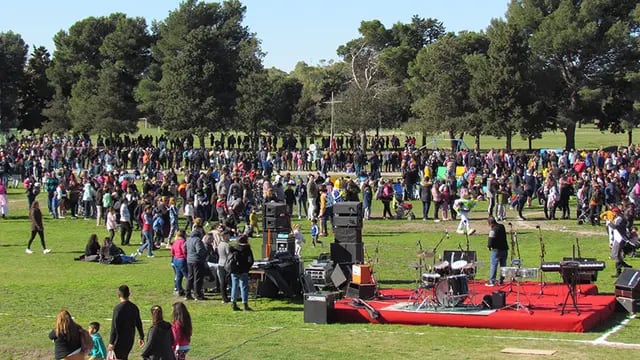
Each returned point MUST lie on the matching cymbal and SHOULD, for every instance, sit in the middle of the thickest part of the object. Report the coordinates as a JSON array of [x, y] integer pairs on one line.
[[425, 254]]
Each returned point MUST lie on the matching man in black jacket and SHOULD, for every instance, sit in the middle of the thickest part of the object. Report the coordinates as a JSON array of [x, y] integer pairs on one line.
[[196, 265], [240, 272], [125, 321], [497, 244]]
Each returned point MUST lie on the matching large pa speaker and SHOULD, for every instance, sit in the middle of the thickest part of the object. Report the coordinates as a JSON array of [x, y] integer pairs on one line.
[[341, 275], [273, 209], [628, 284], [348, 208], [347, 234], [276, 222], [347, 253], [347, 221]]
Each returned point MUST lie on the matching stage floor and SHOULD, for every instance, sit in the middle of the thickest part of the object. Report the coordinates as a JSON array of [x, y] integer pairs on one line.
[[539, 308]]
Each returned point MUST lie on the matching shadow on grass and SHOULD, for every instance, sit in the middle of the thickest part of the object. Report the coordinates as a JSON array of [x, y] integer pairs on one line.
[[11, 245], [612, 321], [396, 282]]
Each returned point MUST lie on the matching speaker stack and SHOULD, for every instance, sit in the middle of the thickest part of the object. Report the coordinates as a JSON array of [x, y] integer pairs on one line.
[[628, 290], [347, 247], [276, 230]]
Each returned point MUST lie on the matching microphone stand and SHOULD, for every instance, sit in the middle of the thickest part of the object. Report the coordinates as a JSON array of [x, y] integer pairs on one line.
[[435, 248], [542, 253], [466, 233]]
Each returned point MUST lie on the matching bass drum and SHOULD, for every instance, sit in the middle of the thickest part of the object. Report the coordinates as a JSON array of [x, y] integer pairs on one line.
[[452, 290]]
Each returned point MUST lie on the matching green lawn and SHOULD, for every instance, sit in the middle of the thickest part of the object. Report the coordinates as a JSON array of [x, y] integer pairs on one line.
[[34, 287], [587, 137]]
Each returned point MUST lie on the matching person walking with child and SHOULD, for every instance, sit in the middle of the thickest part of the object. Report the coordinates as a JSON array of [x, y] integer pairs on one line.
[[66, 337]]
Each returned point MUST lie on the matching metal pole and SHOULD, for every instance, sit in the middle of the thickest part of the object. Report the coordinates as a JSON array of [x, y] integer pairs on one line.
[[331, 135]]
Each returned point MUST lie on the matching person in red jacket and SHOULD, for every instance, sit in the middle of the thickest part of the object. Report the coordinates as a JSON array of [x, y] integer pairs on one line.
[[182, 330]]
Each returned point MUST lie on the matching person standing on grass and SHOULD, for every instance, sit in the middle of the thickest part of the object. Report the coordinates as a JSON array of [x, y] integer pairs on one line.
[[179, 261], [125, 222], [35, 215], [182, 330], [124, 323], [4, 204], [111, 222], [196, 264], [240, 274]]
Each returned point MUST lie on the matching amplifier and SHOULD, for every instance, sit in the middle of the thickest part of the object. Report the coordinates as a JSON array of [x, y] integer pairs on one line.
[[347, 234], [347, 252], [320, 273], [361, 274], [347, 221], [318, 307], [348, 208], [273, 209], [279, 245]]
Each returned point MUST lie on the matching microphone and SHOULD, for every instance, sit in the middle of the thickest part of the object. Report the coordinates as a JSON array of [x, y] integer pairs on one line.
[[537, 226], [510, 224]]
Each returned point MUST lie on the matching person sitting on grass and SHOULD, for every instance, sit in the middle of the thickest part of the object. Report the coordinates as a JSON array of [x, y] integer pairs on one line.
[[110, 253], [92, 250]]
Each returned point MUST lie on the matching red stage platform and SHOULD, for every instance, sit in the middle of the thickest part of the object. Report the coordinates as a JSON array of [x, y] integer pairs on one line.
[[539, 312]]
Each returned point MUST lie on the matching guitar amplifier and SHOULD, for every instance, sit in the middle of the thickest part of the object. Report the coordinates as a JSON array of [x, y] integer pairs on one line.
[[318, 307], [628, 284]]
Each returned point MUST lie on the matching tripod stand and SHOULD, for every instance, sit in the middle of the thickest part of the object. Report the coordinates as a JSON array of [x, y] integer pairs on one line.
[[518, 304], [569, 271]]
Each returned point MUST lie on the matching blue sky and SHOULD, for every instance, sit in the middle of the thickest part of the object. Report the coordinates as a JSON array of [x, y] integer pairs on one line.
[[290, 30]]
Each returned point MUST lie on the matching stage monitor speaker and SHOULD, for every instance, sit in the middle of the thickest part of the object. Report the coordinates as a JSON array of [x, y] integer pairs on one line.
[[307, 284], [347, 253], [318, 307], [632, 306], [341, 275], [348, 208], [454, 255], [628, 284], [272, 209], [498, 299], [347, 234]]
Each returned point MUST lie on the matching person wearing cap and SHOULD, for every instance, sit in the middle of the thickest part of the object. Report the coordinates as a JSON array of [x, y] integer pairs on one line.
[[240, 274]]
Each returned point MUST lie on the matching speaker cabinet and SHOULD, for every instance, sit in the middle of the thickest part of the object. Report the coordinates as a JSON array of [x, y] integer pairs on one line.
[[347, 235], [273, 209], [347, 221], [628, 284], [318, 307], [280, 222], [348, 208], [498, 299], [361, 291], [347, 253]]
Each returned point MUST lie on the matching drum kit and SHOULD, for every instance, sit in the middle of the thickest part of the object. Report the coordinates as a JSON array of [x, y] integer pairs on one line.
[[447, 285]]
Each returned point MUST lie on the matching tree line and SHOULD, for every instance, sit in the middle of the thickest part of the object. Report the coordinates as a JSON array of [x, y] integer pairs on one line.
[[548, 65]]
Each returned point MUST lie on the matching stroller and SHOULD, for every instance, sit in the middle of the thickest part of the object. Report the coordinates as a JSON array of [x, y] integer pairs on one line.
[[582, 212], [401, 208]]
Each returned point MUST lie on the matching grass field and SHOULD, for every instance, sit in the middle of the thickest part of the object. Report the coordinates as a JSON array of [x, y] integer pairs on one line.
[[34, 288]]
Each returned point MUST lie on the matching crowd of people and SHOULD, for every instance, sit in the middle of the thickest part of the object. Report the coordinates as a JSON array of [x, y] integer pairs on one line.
[[173, 192], [167, 341]]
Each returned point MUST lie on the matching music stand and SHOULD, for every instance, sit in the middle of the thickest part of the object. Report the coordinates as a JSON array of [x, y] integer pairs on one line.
[[569, 272]]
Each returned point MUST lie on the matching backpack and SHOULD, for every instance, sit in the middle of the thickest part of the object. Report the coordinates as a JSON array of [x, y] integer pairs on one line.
[[232, 264]]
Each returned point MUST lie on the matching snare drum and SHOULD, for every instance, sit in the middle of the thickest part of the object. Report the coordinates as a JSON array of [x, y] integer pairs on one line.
[[430, 277], [509, 272]]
